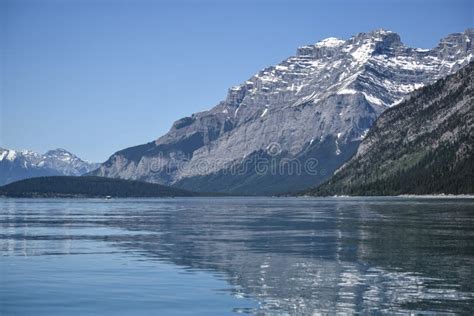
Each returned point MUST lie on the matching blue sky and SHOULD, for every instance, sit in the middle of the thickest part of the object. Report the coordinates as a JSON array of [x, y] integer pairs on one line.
[[96, 76]]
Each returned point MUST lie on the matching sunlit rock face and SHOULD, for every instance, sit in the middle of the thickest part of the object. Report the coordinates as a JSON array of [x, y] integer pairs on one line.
[[316, 105]]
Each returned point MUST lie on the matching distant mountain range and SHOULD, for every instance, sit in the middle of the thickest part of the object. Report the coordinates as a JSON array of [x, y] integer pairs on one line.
[[424, 145], [18, 165], [290, 126]]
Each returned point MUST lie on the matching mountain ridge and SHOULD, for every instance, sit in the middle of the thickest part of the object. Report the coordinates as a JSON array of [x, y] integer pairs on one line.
[[22, 164], [323, 100]]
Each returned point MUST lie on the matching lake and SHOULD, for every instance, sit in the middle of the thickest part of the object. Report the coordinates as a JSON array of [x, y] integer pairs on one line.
[[219, 256]]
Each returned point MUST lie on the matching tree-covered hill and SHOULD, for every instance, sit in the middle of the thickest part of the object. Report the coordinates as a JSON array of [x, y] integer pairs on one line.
[[69, 186], [422, 146]]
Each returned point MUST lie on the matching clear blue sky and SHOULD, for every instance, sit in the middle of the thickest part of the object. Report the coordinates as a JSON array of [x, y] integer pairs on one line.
[[96, 76]]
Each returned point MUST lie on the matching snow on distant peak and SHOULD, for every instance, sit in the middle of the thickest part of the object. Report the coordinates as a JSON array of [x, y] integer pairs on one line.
[[382, 31], [11, 155], [3, 154], [330, 42], [60, 160]]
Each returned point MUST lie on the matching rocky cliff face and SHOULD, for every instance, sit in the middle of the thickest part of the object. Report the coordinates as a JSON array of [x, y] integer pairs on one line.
[[291, 125], [18, 165], [424, 145]]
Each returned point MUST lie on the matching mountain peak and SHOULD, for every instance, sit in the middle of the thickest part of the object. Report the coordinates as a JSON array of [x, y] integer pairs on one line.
[[320, 102], [58, 151], [375, 34], [382, 32], [455, 44], [468, 34], [21, 164], [330, 42], [384, 40]]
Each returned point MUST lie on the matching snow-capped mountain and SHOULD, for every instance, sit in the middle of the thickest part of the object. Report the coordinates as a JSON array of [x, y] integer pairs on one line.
[[313, 107], [18, 165]]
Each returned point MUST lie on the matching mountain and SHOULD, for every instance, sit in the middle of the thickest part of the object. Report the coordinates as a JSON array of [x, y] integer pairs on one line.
[[291, 125], [424, 145], [18, 165], [70, 186]]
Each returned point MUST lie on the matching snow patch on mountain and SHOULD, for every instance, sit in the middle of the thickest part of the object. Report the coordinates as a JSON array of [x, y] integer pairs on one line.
[[330, 42]]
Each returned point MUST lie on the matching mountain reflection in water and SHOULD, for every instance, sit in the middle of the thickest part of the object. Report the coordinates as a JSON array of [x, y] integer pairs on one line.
[[290, 255]]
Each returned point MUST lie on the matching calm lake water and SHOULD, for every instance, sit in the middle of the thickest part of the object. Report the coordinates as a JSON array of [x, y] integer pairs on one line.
[[219, 256]]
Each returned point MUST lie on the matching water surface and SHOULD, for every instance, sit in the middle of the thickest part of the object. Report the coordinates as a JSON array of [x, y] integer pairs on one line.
[[218, 256]]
